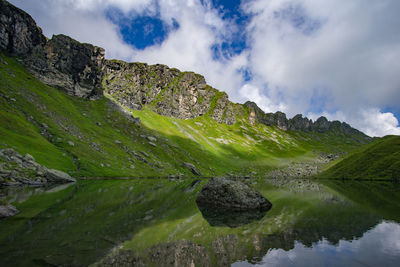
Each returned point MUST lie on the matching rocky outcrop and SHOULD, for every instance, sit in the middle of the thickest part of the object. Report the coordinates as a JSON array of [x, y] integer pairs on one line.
[[233, 195], [60, 62], [167, 91], [16, 169], [69, 65]]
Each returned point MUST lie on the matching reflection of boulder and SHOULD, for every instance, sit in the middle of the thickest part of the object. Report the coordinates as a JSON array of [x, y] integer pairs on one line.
[[233, 195], [227, 217]]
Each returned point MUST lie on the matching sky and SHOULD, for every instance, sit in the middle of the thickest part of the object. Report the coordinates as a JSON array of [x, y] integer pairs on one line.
[[339, 59]]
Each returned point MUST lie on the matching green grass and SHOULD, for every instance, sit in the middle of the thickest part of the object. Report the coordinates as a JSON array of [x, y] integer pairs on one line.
[[379, 160]]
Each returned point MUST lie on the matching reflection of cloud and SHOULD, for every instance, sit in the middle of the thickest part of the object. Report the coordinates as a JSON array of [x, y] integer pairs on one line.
[[379, 246]]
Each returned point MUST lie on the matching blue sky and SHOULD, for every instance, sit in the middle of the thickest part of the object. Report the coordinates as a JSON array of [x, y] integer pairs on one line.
[[334, 58]]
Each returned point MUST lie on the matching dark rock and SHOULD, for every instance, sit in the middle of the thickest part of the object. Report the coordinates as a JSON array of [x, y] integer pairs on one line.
[[191, 167], [19, 34], [233, 195], [7, 211]]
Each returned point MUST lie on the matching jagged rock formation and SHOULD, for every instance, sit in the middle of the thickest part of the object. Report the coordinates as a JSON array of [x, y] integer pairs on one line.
[[298, 123], [81, 70]]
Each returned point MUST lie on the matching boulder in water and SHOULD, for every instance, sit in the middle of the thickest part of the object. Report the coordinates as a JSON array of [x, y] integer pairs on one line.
[[232, 195]]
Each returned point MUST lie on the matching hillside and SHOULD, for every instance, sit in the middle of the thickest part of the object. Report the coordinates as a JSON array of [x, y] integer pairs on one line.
[[379, 160], [73, 110]]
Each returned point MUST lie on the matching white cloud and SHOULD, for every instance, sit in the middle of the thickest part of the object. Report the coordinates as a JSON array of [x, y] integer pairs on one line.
[[352, 54]]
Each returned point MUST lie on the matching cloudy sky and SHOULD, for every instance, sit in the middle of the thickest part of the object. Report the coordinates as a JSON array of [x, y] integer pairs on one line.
[[340, 59]]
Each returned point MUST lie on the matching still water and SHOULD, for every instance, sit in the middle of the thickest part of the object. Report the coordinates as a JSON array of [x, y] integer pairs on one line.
[[156, 222]]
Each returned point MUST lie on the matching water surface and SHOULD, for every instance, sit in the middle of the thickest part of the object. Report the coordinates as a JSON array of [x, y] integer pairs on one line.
[[156, 222]]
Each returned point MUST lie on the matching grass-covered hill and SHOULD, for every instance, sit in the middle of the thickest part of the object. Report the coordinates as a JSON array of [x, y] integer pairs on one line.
[[99, 138], [73, 110], [379, 160]]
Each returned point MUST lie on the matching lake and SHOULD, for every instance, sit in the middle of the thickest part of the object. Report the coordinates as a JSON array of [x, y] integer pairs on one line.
[[156, 222]]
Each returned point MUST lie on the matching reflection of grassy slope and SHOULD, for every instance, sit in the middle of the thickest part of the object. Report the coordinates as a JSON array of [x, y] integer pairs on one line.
[[80, 224], [40, 120], [382, 198], [307, 217], [379, 160]]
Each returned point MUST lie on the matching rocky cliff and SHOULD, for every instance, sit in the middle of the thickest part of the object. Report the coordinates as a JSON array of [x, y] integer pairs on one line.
[[167, 91], [81, 70], [60, 62]]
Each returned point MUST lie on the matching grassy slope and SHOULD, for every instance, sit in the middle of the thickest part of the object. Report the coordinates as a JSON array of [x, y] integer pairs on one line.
[[379, 160], [40, 120]]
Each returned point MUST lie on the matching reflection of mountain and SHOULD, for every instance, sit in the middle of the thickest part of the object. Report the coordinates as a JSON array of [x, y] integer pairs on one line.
[[230, 218], [79, 225], [334, 221]]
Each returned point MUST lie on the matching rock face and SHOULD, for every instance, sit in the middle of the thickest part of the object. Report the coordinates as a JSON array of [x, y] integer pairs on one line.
[[19, 34], [70, 66], [16, 169], [167, 91], [233, 195], [7, 211]]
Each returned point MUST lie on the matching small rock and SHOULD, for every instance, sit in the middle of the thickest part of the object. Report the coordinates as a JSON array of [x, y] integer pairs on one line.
[[98, 123], [71, 143], [151, 139], [29, 157], [7, 211], [13, 99], [191, 167], [58, 176], [117, 142], [108, 165], [152, 144], [45, 125]]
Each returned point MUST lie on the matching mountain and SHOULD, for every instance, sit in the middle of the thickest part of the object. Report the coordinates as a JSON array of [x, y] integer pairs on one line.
[[379, 160], [74, 110]]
